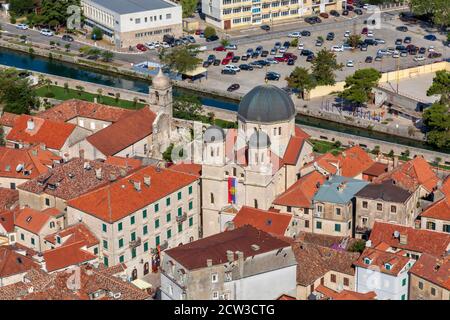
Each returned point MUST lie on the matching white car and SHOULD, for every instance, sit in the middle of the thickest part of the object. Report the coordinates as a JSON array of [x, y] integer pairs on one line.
[[296, 34], [282, 50], [301, 46], [419, 58], [22, 26], [272, 61], [350, 63], [347, 46], [370, 33], [337, 48], [396, 54], [431, 49], [46, 32], [151, 45], [382, 52], [165, 44], [380, 41], [347, 34], [232, 67]]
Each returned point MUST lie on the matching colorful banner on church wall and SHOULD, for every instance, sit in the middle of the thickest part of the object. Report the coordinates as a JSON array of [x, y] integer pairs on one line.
[[232, 185]]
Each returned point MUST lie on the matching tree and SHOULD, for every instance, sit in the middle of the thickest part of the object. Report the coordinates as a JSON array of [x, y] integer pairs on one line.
[[16, 94], [436, 9], [80, 90], [21, 7], [181, 59], [224, 42], [66, 87], [441, 85], [67, 46], [54, 12], [357, 246], [117, 97], [187, 107], [302, 80], [354, 40], [324, 67], [437, 120], [188, 7], [167, 155], [97, 34], [107, 56], [209, 32], [358, 87], [2, 136]]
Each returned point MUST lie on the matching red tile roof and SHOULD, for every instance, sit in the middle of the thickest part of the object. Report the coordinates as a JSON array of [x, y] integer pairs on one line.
[[12, 263], [124, 133], [410, 175], [418, 240], [438, 210], [76, 233], [8, 198], [301, 193], [271, 222], [380, 258], [295, 147], [73, 108], [124, 162], [66, 256], [194, 255], [118, 199], [286, 297], [354, 161], [32, 220], [7, 219], [327, 162], [345, 294], [7, 119], [446, 187], [376, 169], [189, 168], [300, 133], [33, 162], [433, 269], [51, 133]]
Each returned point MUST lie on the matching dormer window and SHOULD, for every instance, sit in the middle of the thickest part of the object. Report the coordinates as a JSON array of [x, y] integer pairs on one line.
[[367, 260], [388, 266]]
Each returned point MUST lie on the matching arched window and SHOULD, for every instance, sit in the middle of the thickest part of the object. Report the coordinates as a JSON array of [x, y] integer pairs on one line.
[[52, 225], [146, 268]]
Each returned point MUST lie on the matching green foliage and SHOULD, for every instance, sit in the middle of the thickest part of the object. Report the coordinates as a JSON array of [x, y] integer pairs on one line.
[[54, 12], [181, 59], [107, 56], [16, 94], [21, 7], [354, 40], [358, 87], [324, 67], [167, 155], [97, 34], [2, 136], [188, 7], [294, 42], [437, 120], [357, 246], [209, 31], [437, 9], [187, 107], [441, 85], [224, 42], [302, 80]]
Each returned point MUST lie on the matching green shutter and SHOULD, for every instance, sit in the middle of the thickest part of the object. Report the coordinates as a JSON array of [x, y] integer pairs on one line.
[[119, 226], [157, 207], [404, 282], [132, 220], [121, 259], [105, 244], [133, 253], [319, 225], [167, 201], [337, 227], [133, 236], [120, 243], [168, 217], [104, 228], [157, 241], [191, 221], [145, 230], [105, 261], [180, 227], [32, 241], [169, 234], [145, 246], [144, 214], [190, 189], [180, 211], [179, 195], [191, 205], [156, 223]]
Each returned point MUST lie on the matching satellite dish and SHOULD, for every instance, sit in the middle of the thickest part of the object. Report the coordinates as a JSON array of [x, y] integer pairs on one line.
[[396, 234], [19, 167]]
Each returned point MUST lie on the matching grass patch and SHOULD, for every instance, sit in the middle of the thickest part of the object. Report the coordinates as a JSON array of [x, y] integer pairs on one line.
[[60, 93], [325, 146]]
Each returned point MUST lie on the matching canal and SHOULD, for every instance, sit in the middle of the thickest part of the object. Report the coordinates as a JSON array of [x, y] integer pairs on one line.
[[40, 64]]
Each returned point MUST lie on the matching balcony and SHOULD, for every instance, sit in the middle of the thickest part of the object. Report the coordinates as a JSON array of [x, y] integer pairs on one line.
[[135, 243], [164, 246], [181, 218]]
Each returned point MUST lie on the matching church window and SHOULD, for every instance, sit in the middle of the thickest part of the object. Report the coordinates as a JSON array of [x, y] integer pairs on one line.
[[212, 197], [279, 131], [256, 204]]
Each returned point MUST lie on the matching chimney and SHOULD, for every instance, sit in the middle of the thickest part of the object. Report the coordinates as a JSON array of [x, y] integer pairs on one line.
[[30, 125], [230, 256], [254, 247], [147, 180], [137, 185], [404, 239], [368, 243], [209, 263], [98, 173], [123, 172], [395, 161], [112, 177]]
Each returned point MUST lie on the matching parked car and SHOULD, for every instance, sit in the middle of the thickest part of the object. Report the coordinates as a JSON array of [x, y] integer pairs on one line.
[[430, 37], [229, 55], [350, 63], [206, 64], [380, 41], [244, 57], [398, 42], [220, 48], [216, 62], [306, 52], [141, 47], [363, 47], [211, 58], [233, 87], [407, 40], [403, 53], [419, 58], [337, 48], [402, 28], [306, 33], [22, 26], [67, 38], [330, 36], [212, 38], [246, 67], [228, 71], [198, 32], [290, 55], [235, 59], [324, 15], [434, 55], [282, 50], [370, 34], [256, 65], [250, 51], [272, 76], [296, 34], [358, 12], [396, 54], [378, 58], [225, 61], [273, 51], [369, 59], [334, 13], [191, 39], [310, 58], [290, 62], [422, 50], [46, 32], [265, 27], [347, 34], [259, 49], [365, 30], [345, 12], [231, 47], [232, 67], [272, 61], [319, 43], [277, 45], [264, 53], [370, 42]]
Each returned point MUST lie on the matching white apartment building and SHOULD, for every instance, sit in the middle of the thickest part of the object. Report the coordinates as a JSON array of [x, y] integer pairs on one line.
[[129, 22], [230, 14]]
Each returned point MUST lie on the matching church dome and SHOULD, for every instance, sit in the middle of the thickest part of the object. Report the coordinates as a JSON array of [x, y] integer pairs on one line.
[[266, 104], [259, 140], [213, 134], [160, 81]]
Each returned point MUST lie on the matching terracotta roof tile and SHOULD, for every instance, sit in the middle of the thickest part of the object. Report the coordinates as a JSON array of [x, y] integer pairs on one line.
[[12, 263], [354, 161], [7, 119], [32, 220], [301, 193], [66, 256], [438, 210], [7, 219], [295, 147], [271, 222], [376, 169], [118, 199], [433, 269], [380, 258], [51, 133], [123, 162], [410, 175], [73, 108], [418, 240], [190, 168], [345, 294], [194, 255], [8, 199], [325, 240], [125, 132], [76, 233], [327, 162]]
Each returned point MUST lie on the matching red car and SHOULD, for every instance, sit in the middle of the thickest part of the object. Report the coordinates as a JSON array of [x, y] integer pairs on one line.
[[230, 55], [364, 31], [220, 48], [198, 32], [289, 55], [225, 61], [141, 47], [324, 15], [281, 58]]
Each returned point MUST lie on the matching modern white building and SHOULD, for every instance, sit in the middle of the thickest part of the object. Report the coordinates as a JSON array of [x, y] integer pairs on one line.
[[129, 22]]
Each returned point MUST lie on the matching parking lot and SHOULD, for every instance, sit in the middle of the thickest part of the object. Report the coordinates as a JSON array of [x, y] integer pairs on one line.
[[248, 79]]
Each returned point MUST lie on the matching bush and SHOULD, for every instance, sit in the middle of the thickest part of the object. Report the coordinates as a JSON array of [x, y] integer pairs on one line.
[[358, 246], [209, 32], [97, 34], [49, 94], [13, 20]]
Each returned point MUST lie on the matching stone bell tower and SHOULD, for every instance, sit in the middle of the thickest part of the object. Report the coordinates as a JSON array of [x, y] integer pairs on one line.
[[161, 94]]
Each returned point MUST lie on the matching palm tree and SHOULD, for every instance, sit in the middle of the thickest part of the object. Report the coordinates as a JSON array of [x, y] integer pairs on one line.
[[66, 87], [99, 94], [107, 56], [80, 90], [117, 96]]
